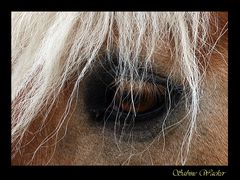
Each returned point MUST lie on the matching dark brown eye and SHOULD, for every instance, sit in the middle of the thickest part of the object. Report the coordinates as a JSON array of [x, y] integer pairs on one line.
[[128, 108], [141, 100], [133, 101], [140, 103]]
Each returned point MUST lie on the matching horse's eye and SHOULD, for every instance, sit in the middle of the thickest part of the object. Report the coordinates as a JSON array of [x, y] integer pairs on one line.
[[137, 102], [128, 106]]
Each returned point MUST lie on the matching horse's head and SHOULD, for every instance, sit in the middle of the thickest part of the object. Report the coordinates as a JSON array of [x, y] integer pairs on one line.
[[119, 88]]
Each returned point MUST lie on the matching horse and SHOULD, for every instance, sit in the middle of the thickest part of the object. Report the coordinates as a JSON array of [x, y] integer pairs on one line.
[[119, 88]]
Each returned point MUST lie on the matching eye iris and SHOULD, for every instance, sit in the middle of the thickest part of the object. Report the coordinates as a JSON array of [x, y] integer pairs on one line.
[[139, 103], [140, 100], [146, 105]]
